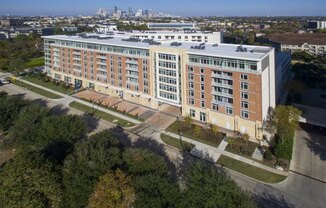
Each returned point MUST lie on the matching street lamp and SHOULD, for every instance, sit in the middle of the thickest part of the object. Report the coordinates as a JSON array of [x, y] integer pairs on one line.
[[180, 137]]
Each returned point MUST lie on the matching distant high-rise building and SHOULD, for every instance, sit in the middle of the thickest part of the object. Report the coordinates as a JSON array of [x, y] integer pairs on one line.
[[102, 12]]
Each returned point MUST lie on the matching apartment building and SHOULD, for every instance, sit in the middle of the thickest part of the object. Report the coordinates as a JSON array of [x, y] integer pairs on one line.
[[171, 26], [315, 44], [231, 86]]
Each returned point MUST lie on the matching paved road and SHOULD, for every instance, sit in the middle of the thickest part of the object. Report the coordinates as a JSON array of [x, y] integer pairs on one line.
[[309, 156], [297, 191]]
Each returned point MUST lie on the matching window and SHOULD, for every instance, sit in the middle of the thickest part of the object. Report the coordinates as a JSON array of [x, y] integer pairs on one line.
[[202, 87], [190, 76], [191, 85], [190, 69], [192, 113], [202, 104], [202, 78], [214, 107], [202, 117], [229, 110], [244, 86], [244, 76], [191, 101], [191, 93], [202, 70], [245, 95], [202, 95], [244, 114], [244, 104]]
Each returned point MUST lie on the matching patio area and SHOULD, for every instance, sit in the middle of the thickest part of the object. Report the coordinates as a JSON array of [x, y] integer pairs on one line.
[[116, 104]]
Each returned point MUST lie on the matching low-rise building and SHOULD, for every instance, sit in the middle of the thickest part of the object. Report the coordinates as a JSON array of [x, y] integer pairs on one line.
[[314, 44]]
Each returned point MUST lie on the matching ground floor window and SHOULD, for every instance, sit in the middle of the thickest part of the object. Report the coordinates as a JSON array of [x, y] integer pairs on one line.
[[202, 117], [192, 113], [244, 114]]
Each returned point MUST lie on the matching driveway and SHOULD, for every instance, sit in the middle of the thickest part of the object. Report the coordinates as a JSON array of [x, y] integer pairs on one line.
[[309, 157]]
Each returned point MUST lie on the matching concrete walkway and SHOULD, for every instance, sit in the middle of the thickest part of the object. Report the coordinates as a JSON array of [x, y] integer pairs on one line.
[[67, 99], [214, 153]]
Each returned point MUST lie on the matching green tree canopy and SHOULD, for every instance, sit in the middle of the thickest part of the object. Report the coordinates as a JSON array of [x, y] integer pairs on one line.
[[114, 190], [92, 158], [210, 187], [142, 161], [23, 132], [10, 107], [29, 181]]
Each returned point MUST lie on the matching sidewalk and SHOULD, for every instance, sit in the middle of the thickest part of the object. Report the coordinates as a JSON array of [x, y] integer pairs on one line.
[[214, 153], [68, 99]]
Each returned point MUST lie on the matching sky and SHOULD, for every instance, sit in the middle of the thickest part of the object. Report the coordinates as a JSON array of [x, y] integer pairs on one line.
[[176, 7]]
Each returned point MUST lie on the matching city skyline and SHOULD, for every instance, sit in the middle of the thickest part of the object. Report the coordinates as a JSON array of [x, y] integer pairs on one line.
[[188, 8]]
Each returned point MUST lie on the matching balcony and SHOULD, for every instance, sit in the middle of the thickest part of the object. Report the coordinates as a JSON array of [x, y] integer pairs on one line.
[[222, 94], [222, 76], [132, 69], [129, 61], [133, 75], [101, 63], [222, 103], [216, 84], [132, 82]]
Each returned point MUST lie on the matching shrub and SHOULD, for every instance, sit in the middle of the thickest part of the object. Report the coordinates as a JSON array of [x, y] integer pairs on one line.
[[214, 129], [188, 121], [197, 131]]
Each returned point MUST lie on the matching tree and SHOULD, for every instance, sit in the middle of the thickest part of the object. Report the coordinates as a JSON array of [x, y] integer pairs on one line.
[[155, 190], [114, 190], [142, 161], [29, 180], [210, 187], [92, 158], [22, 134], [284, 121], [57, 135], [197, 131], [10, 107], [251, 38]]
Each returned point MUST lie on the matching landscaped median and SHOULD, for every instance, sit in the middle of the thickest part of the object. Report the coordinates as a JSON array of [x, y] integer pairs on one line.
[[45, 81], [101, 114], [249, 170], [210, 136], [36, 89], [177, 143]]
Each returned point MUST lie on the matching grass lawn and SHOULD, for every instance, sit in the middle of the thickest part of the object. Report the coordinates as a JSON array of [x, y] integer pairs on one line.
[[101, 114], [37, 90], [59, 88], [249, 170], [115, 110], [206, 135], [176, 143], [35, 62]]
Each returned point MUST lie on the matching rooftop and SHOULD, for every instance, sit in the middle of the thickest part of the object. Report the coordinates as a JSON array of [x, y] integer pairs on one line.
[[299, 39], [216, 50]]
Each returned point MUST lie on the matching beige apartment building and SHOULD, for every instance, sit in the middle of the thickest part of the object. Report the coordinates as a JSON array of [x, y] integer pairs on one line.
[[231, 86]]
